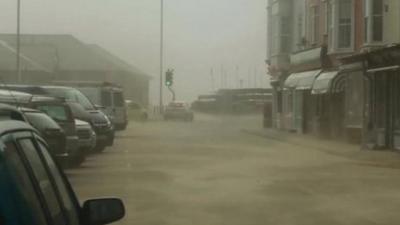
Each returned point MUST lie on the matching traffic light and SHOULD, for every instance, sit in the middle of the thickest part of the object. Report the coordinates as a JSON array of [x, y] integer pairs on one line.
[[169, 78]]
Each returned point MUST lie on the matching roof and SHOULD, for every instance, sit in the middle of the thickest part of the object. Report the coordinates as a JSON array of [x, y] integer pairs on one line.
[[14, 125], [8, 55], [55, 52], [120, 64]]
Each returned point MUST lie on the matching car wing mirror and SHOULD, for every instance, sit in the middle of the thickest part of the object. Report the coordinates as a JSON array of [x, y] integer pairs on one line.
[[102, 211]]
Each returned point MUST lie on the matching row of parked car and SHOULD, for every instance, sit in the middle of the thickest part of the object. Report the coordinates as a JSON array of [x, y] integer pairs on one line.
[[43, 128], [67, 119]]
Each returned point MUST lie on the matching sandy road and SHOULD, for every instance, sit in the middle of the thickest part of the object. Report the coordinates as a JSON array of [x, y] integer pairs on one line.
[[208, 172]]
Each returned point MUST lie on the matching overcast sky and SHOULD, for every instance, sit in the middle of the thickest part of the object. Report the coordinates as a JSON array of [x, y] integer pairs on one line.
[[226, 35]]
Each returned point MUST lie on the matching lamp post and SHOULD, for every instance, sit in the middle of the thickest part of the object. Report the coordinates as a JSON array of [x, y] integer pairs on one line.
[[18, 63], [161, 54]]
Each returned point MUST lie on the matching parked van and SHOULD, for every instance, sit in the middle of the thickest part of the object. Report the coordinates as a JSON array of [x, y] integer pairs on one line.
[[82, 108], [107, 96]]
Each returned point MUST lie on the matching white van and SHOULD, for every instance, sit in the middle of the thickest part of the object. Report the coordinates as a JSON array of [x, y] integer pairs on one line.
[[106, 96]]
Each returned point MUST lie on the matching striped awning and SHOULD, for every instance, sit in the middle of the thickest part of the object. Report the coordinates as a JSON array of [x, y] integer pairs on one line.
[[302, 81]]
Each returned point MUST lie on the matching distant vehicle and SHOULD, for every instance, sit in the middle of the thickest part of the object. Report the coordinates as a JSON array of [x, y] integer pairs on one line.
[[100, 122], [107, 96], [136, 111], [33, 189], [86, 135], [178, 110], [56, 108]]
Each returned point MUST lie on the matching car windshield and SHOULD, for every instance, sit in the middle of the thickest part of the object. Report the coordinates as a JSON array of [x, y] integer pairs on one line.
[[259, 112], [41, 121], [71, 94], [58, 113], [92, 93]]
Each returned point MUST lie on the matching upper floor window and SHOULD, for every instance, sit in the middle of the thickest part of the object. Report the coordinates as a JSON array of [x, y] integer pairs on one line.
[[340, 25], [314, 24], [373, 21]]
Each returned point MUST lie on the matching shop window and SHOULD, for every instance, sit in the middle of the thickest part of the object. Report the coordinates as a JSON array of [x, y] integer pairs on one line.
[[354, 99]]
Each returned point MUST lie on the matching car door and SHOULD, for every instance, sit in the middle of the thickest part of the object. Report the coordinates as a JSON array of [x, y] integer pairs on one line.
[[56, 193], [20, 201]]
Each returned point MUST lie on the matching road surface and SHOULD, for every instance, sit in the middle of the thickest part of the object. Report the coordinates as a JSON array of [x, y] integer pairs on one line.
[[209, 172]]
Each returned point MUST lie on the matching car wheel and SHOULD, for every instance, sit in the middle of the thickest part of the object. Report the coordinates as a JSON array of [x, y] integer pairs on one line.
[[77, 160], [99, 148]]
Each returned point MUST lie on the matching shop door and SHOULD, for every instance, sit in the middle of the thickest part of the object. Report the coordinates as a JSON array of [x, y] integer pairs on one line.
[[298, 111], [386, 104]]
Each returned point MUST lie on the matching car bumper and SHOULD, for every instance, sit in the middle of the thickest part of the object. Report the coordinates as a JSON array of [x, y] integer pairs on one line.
[[105, 135]]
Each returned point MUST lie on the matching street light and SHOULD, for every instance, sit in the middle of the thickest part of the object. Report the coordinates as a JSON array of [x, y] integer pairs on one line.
[[18, 63], [161, 54]]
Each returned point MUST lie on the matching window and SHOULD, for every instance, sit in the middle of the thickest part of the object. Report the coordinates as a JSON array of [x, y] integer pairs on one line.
[[61, 186], [106, 98], [373, 21], [41, 121], [285, 35], [344, 23], [56, 112], [22, 194], [314, 24], [340, 21], [118, 99], [44, 180]]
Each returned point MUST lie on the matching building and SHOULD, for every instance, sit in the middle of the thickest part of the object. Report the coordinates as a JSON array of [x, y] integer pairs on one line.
[[45, 58], [340, 77], [376, 67], [310, 95]]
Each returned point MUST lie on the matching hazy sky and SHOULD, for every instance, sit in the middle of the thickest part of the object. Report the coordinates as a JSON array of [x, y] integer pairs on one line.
[[199, 35]]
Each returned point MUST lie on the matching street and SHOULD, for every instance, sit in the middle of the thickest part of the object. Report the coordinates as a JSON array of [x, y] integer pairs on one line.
[[210, 172]]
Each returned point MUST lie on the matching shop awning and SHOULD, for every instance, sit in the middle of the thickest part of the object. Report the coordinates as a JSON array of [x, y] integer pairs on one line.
[[302, 81], [324, 82]]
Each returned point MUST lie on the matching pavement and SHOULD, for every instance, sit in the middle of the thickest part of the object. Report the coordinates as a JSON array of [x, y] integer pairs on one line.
[[227, 170]]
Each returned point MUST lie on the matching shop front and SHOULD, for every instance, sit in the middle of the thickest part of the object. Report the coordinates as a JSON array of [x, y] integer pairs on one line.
[[298, 101], [328, 91], [380, 84]]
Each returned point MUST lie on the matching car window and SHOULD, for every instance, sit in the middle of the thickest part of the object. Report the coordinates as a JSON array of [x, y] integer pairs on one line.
[[11, 114], [71, 94], [92, 93], [21, 195], [56, 112], [41, 121], [43, 178], [106, 98], [61, 185], [118, 99]]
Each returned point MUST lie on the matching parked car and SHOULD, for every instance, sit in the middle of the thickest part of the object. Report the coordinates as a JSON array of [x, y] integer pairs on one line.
[[51, 132], [178, 110], [47, 127], [100, 122], [33, 189], [86, 135], [136, 111], [107, 96], [56, 108]]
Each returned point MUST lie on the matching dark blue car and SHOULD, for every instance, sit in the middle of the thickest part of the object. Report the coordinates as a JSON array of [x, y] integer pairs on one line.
[[34, 191]]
